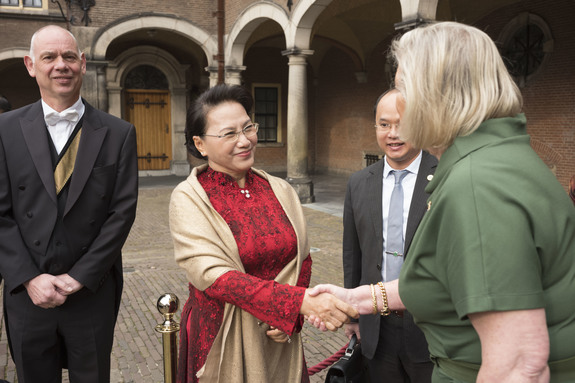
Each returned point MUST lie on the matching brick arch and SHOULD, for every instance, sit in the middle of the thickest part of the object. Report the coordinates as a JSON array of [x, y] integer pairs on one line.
[[551, 157], [297, 28], [146, 55], [13, 53], [109, 33], [304, 17], [246, 24]]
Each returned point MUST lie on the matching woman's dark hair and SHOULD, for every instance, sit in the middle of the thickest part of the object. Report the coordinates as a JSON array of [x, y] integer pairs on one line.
[[196, 117]]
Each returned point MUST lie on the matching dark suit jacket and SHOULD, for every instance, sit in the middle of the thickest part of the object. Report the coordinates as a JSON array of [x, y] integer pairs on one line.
[[101, 203], [363, 245]]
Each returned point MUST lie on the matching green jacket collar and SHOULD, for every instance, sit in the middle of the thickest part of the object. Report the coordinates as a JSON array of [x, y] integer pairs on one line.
[[489, 132]]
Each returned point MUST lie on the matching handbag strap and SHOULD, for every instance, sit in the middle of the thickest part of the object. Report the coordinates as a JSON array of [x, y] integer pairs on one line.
[[350, 347]]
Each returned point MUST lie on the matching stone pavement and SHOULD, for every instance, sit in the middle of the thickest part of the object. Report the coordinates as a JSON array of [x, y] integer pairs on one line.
[[150, 271]]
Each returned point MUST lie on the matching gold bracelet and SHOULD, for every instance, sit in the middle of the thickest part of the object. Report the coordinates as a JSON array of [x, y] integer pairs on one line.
[[374, 298], [385, 311]]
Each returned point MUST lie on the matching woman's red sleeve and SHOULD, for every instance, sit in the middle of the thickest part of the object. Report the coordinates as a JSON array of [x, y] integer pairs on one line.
[[273, 303]]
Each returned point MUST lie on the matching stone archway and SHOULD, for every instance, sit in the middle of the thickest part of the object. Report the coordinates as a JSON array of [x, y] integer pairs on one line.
[[111, 74], [16, 85], [204, 40], [116, 73]]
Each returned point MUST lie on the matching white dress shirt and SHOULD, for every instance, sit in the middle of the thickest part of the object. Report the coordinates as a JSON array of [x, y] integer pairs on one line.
[[61, 131]]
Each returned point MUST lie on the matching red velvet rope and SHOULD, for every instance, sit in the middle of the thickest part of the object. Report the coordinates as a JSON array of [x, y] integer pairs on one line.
[[326, 363]]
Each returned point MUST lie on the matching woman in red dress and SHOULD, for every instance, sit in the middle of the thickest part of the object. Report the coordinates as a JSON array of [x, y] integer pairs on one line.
[[240, 234]]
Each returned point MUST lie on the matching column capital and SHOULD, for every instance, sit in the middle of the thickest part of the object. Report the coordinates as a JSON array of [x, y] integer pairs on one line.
[[234, 74], [297, 52], [235, 68], [100, 65], [97, 62], [410, 24], [213, 71]]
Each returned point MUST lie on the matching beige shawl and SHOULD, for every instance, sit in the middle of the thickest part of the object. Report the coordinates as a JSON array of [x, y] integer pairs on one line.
[[205, 247]]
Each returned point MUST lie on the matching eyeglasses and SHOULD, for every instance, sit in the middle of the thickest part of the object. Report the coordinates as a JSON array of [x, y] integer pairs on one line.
[[385, 127], [249, 131]]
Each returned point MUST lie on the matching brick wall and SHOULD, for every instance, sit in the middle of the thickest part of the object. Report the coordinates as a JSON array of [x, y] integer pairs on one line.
[[267, 65], [344, 107], [549, 98], [110, 11], [344, 123], [235, 8]]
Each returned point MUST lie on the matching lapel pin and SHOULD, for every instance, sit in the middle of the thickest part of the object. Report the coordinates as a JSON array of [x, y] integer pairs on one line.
[[428, 205], [430, 177]]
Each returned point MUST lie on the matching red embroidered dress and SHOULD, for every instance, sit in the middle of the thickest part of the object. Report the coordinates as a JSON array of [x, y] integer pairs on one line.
[[266, 242]]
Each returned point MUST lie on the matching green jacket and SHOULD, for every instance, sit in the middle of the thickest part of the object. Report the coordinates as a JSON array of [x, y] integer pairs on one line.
[[499, 235]]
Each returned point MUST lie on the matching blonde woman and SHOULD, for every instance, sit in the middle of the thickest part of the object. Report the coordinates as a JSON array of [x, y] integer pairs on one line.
[[490, 276]]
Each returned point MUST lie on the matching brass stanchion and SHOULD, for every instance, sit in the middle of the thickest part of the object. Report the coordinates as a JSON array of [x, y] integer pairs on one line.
[[167, 306]]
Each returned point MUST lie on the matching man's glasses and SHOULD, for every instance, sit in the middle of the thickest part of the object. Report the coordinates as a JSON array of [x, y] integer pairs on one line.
[[249, 131], [385, 127]]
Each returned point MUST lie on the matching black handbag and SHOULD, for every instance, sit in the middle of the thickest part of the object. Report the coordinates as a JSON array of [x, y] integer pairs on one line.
[[350, 368]]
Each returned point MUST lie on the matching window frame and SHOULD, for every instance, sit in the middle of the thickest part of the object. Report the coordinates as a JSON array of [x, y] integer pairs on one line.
[[22, 8], [279, 128], [519, 22]]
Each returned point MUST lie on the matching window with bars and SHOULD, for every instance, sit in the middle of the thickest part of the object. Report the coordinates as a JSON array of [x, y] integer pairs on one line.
[[525, 44], [267, 107], [22, 3]]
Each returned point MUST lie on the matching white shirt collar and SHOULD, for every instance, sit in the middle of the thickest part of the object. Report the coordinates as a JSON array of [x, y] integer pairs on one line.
[[78, 107], [61, 132], [412, 168]]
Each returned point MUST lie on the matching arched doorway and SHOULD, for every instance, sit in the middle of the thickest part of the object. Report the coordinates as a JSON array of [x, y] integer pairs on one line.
[[147, 106], [16, 84]]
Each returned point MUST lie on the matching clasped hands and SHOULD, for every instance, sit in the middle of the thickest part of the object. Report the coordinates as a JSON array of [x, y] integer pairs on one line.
[[359, 299], [322, 306], [49, 291]]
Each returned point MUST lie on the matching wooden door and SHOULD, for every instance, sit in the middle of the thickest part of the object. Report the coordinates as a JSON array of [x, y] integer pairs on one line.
[[149, 111]]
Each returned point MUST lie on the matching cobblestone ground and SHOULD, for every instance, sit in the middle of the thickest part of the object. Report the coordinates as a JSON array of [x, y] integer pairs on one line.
[[150, 271]]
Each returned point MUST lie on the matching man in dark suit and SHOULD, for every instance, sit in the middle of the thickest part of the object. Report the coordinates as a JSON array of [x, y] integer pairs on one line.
[[68, 192], [4, 105], [395, 348]]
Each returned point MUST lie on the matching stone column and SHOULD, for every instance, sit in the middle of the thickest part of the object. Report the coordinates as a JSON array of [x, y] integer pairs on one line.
[[180, 165], [213, 71], [90, 83], [114, 90], [234, 75], [415, 13], [102, 91], [115, 101], [297, 125]]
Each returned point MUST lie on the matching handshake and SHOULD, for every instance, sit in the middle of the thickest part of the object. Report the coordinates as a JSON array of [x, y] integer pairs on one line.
[[329, 307]]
